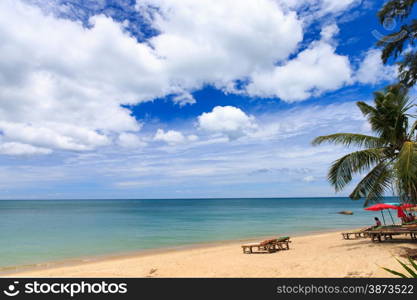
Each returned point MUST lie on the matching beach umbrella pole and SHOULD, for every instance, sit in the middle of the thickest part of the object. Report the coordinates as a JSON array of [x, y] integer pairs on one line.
[[383, 218], [392, 219]]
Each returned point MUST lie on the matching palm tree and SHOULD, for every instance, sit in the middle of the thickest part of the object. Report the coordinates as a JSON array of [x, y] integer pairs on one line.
[[398, 46], [390, 155]]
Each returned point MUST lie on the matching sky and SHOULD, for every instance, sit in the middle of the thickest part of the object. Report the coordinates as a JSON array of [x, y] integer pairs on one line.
[[181, 98]]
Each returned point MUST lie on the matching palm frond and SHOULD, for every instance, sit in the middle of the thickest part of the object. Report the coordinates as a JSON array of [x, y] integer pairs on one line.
[[348, 139], [407, 160], [365, 108], [411, 273], [390, 154], [342, 170], [406, 169], [413, 129], [395, 273], [374, 184], [408, 269], [389, 117]]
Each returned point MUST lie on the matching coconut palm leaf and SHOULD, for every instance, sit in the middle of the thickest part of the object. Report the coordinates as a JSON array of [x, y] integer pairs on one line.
[[348, 139], [365, 108], [389, 118], [395, 273], [411, 272], [413, 264], [408, 269], [413, 128], [373, 185], [342, 170], [406, 168], [406, 163], [390, 154]]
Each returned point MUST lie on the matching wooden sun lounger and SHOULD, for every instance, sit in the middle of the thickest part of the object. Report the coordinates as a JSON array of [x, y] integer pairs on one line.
[[270, 246], [379, 235], [409, 226], [361, 233]]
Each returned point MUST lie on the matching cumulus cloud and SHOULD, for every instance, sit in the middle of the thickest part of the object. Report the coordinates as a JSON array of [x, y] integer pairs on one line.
[[227, 120], [173, 137], [54, 135], [61, 84], [314, 71], [207, 41], [22, 149], [57, 70], [373, 71], [130, 140], [205, 169], [64, 86], [279, 163], [319, 8], [184, 99], [331, 6], [329, 32]]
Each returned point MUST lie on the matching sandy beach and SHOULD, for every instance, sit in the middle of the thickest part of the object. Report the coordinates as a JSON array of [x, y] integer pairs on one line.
[[316, 255]]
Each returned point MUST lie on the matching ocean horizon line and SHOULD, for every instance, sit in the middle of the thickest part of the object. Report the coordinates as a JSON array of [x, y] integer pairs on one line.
[[185, 198]]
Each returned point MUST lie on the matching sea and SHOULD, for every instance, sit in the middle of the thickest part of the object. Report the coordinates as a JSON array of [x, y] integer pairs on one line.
[[39, 231]]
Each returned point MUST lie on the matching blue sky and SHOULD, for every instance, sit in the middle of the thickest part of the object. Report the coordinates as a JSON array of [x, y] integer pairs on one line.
[[169, 99]]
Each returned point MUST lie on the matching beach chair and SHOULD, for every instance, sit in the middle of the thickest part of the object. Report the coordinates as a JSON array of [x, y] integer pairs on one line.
[[282, 243], [411, 223], [388, 233], [361, 233], [270, 246]]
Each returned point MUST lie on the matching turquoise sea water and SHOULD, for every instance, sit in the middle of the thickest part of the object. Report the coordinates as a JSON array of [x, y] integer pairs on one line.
[[40, 231]]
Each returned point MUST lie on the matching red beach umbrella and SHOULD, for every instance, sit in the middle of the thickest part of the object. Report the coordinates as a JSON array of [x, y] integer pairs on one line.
[[401, 213], [407, 205], [381, 206]]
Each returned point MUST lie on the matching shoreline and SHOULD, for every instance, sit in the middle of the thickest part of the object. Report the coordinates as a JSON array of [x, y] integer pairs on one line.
[[68, 262], [328, 255]]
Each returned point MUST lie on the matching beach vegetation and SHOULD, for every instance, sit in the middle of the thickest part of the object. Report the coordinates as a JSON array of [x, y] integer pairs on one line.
[[388, 157], [398, 46], [410, 271]]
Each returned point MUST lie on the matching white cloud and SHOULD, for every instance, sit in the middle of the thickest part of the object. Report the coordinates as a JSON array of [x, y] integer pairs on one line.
[[332, 6], [275, 163], [319, 8], [57, 70], [227, 120], [215, 169], [329, 32], [314, 71], [171, 137], [130, 140], [193, 138], [184, 99], [373, 71], [346, 117], [207, 41], [62, 86], [22, 149], [309, 178], [75, 78], [54, 135]]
